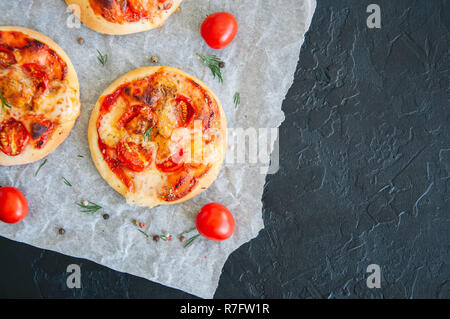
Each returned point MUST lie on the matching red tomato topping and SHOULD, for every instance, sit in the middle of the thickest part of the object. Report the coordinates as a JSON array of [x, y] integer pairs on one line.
[[40, 54], [179, 184], [137, 119], [13, 205], [110, 156], [219, 29], [169, 166], [14, 137], [40, 77], [215, 222], [40, 129], [167, 4], [186, 111], [7, 58], [173, 164], [133, 155]]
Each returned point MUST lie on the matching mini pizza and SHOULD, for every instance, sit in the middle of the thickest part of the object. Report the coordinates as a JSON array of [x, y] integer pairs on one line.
[[123, 16], [158, 136], [39, 95]]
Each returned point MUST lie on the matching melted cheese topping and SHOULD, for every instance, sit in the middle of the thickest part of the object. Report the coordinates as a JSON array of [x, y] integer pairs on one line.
[[58, 104]]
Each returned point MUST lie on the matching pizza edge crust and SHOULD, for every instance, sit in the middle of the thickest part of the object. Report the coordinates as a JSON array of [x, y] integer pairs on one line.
[[62, 131], [112, 179], [101, 25]]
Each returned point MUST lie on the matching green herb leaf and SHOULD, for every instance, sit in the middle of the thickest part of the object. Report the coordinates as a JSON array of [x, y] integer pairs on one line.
[[90, 208], [4, 103], [80, 156], [148, 133], [144, 233], [40, 166], [67, 182], [237, 99], [190, 241], [213, 63], [102, 58], [187, 231]]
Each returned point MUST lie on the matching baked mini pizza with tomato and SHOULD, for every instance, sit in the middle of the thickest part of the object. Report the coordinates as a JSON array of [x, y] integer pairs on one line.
[[123, 16], [158, 136], [39, 96]]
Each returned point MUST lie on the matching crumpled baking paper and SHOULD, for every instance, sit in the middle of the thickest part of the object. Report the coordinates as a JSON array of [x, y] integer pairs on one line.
[[260, 64]]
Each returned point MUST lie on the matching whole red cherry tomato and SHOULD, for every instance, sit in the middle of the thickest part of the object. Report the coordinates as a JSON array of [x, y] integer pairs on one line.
[[215, 222], [13, 205], [219, 29]]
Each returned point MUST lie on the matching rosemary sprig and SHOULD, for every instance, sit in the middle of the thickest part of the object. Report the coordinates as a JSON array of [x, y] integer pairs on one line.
[[89, 207], [187, 231], [66, 182], [40, 166], [237, 99], [4, 103], [144, 233], [81, 156], [148, 133], [213, 63], [190, 241], [102, 58]]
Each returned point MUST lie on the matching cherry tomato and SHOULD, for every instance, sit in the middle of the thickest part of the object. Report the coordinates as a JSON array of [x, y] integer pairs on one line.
[[14, 137], [215, 222], [219, 29], [133, 155], [13, 205]]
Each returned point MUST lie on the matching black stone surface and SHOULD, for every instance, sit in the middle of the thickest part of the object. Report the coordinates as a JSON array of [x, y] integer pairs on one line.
[[364, 177]]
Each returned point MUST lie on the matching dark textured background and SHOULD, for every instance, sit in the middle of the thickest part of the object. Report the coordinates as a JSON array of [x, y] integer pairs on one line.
[[364, 177]]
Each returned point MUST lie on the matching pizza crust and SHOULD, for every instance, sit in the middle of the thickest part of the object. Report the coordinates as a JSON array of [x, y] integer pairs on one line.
[[97, 23], [31, 154], [109, 176]]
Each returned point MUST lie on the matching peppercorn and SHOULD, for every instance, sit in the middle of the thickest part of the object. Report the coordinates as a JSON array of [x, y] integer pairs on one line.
[[182, 239], [142, 225], [156, 238], [105, 216], [80, 40], [135, 222], [61, 231], [221, 64], [154, 59]]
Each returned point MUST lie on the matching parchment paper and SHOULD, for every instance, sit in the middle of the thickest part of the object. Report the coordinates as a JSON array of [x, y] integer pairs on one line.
[[260, 64]]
